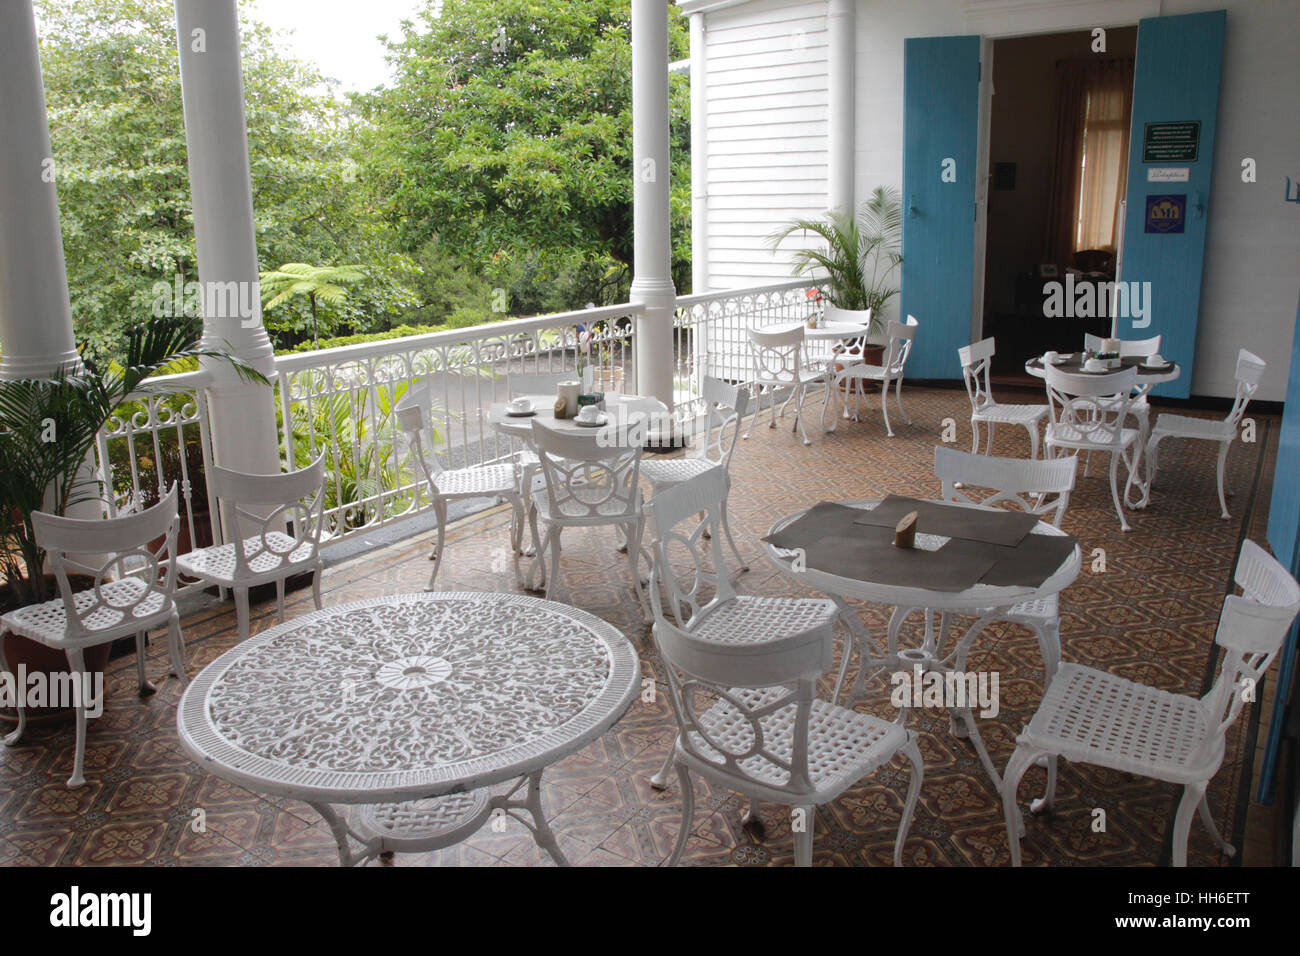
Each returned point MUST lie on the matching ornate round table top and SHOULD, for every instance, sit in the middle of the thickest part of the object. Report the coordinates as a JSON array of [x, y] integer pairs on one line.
[[407, 696]]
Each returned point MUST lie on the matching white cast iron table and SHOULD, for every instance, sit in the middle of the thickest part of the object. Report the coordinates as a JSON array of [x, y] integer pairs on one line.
[[986, 602], [411, 706]]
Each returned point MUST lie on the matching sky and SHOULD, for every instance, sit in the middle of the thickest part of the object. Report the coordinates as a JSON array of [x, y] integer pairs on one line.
[[339, 36]]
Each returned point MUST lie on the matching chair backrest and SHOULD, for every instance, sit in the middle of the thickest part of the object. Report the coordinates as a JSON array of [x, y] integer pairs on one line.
[[1021, 481], [725, 406], [1250, 372], [778, 356], [901, 335], [536, 383], [275, 519], [849, 348], [590, 479], [414, 415], [678, 554], [1072, 400], [140, 546], [1251, 630], [772, 676], [1129, 348], [976, 360]]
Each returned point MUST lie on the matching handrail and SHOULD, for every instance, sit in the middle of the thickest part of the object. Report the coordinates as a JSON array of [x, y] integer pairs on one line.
[[699, 298]]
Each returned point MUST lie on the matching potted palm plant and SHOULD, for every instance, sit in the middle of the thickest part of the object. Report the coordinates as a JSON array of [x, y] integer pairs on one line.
[[48, 428], [856, 261]]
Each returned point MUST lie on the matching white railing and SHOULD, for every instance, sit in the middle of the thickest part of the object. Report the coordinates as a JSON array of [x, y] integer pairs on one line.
[[340, 400], [155, 439]]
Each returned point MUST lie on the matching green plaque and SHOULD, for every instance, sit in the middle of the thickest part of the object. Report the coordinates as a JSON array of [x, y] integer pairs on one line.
[[1171, 142]]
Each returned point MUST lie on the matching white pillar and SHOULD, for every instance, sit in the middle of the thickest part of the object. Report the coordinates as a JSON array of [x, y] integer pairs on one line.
[[35, 318], [652, 282], [699, 157], [841, 37], [242, 414]]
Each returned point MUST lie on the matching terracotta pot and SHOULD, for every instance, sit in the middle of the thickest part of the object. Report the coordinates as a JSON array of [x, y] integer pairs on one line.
[[36, 657]]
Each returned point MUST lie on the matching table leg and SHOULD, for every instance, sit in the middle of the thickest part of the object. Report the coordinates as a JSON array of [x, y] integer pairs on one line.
[[343, 836], [860, 640], [539, 828], [959, 662]]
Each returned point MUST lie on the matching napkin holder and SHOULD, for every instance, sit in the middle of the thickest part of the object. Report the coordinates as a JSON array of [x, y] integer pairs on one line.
[[567, 392], [905, 531]]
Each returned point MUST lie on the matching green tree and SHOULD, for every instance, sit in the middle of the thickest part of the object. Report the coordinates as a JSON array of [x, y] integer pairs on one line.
[[317, 283], [507, 135], [112, 84]]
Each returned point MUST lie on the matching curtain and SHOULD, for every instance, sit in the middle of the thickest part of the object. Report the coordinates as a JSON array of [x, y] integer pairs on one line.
[[1094, 105]]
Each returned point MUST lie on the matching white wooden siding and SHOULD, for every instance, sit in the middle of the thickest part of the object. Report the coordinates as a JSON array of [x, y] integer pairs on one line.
[[767, 130]]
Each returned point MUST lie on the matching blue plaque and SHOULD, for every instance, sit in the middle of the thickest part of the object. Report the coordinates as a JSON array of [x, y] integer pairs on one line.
[[1166, 214]]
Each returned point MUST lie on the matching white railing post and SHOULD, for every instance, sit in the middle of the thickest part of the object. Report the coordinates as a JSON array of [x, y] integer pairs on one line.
[[242, 413], [652, 284]]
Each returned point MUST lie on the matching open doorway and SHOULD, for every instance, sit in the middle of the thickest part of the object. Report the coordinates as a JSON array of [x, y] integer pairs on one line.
[[1058, 156]]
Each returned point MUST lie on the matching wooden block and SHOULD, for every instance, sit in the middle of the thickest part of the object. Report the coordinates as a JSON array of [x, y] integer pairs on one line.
[[905, 531], [561, 406]]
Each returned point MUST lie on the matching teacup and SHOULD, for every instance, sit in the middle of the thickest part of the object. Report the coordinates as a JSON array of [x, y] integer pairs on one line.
[[1051, 358], [1094, 365], [521, 406], [589, 413], [1155, 359]]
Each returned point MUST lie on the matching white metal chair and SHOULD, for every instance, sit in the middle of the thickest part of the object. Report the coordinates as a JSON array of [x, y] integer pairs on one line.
[[743, 676], [976, 362], [455, 484], [1250, 371], [725, 407], [588, 484], [891, 372], [1080, 423], [1037, 487], [1094, 717], [780, 364], [1132, 348], [134, 592], [276, 521]]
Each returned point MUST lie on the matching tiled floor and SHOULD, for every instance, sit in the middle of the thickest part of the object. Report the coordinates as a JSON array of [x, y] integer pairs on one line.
[[1150, 615]]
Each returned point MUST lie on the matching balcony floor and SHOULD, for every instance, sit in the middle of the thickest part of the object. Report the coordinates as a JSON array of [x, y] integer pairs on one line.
[[1150, 617]]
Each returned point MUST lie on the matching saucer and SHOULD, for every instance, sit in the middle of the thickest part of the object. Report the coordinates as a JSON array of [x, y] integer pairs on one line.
[[527, 414], [1156, 364], [594, 423]]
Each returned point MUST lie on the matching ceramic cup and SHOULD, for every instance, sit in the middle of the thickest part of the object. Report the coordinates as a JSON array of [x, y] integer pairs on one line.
[[1155, 359], [1050, 358], [589, 413], [1094, 365], [521, 405]]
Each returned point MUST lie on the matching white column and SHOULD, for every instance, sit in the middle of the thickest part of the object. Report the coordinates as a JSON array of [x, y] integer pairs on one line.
[[699, 157], [35, 318], [242, 414], [841, 37], [652, 282]]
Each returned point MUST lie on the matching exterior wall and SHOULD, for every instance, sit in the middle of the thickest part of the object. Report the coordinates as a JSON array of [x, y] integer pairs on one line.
[[1253, 246], [767, 133]]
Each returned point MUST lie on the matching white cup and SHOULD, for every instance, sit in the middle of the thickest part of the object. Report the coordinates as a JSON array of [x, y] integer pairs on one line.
[[1094, 365], [589, 413], [1050, 358], [1155, 359], [521, 405]]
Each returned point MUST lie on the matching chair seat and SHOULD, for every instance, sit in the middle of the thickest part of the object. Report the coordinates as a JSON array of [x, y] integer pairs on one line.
[[1009, 414], [843, 745], [48, 622], [217, 564], [1071, 436], [806, 376], [1181, 426], [877, 373], [746, 619], [672, 471], [477, 481], [1090, 716], [607, 512]]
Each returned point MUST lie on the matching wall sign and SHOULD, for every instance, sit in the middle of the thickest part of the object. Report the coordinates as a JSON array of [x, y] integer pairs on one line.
[[1171, 142], [1169, 174], [1166, 214]]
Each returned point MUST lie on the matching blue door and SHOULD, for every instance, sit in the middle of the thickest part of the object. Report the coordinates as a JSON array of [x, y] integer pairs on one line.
[[941, 78], [1171, 150]]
